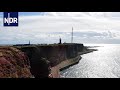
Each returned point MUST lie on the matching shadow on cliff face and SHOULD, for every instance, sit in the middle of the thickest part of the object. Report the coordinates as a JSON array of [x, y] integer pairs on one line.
[[39, 65]]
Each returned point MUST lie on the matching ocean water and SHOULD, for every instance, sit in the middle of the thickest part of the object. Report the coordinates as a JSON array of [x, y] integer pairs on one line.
[[104, 63]]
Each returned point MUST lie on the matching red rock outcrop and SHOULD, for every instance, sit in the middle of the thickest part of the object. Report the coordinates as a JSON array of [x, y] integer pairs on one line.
[[13, 63]]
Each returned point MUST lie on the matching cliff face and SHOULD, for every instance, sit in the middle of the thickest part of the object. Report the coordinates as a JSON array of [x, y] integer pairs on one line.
[[60, 52], [39, 54], [14, 63]]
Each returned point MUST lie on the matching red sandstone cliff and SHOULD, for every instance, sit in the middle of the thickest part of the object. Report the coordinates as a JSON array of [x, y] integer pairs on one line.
[[13, 63]]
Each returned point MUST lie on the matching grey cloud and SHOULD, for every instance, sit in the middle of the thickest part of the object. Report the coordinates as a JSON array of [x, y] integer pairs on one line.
[[47, 29]]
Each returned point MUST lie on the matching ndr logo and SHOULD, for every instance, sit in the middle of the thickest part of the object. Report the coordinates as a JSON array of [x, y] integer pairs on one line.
[[10, 19]]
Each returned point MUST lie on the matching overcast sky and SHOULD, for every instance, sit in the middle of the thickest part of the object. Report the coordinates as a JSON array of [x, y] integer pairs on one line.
[[47, 27]]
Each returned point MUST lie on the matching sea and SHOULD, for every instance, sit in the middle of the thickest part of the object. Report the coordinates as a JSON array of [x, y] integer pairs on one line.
[[103, 63]]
